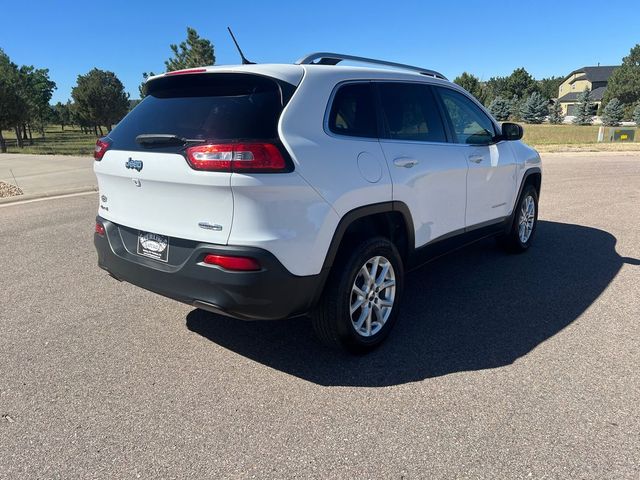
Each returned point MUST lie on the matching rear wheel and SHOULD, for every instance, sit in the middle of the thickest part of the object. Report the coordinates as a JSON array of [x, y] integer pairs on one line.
[[524, 225], [360, 302]]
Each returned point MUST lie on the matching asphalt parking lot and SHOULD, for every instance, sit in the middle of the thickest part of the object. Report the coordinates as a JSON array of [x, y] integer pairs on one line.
[[500, 367]]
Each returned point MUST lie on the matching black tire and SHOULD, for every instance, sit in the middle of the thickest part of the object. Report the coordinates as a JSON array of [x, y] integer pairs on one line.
[[512, 242], [331, 318]]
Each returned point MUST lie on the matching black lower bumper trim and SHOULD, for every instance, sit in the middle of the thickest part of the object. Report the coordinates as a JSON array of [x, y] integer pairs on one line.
[[268, 294]]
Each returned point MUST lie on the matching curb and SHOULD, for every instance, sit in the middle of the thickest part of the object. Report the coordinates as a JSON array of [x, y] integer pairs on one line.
[[52, 193], [612, 153]]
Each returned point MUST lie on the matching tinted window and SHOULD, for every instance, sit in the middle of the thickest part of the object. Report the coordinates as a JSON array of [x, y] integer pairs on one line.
[[410, 112], [207, 106], [353, 111], [470, 124]]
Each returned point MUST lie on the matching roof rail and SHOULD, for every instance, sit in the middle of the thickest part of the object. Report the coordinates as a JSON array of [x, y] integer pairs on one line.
[[326, 58]]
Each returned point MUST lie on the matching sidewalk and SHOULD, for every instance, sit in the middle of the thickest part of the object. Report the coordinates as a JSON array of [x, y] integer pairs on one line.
[[46, 175]]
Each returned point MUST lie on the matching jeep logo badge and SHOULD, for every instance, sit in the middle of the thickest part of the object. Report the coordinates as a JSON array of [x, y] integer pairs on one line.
[[134, 164]]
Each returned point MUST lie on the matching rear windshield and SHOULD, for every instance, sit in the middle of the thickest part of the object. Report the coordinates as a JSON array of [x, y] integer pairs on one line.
[[220, 106]]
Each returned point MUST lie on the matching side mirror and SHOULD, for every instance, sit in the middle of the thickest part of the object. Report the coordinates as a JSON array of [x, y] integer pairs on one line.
[[512, 131]]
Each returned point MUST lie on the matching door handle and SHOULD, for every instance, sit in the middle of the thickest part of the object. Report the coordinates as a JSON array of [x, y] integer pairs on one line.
[[405, 162], [476, 158]]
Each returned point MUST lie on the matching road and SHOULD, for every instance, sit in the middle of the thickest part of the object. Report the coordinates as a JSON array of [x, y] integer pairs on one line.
[[500, 367]]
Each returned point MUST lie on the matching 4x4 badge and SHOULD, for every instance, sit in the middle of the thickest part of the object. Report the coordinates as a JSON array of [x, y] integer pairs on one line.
[[134, 164]]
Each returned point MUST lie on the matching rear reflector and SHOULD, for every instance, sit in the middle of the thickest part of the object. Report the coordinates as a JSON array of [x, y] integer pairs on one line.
[[102, 145], [240, 264], [187, 71], [100, 229], [236, 157]]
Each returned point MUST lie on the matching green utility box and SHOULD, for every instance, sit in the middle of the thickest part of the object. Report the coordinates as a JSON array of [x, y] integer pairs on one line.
[[621, 134]]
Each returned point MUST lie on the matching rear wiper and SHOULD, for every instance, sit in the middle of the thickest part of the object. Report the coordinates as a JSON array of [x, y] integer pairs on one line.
[[163, 139]]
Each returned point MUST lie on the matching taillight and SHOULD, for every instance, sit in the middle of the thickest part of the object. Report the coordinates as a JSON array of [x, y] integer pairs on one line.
[[101, 148], [100, 229], [236, 157], [240, 264]]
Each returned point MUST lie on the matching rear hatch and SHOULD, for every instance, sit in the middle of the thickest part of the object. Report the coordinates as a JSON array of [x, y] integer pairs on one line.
[[166, 168]]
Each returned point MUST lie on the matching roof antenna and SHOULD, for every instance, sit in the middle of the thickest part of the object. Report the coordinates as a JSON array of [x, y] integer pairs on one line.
[[244, 59]]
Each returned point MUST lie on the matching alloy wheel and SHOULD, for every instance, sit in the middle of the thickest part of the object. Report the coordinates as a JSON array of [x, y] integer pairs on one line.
[[372, 296], [527, 218]]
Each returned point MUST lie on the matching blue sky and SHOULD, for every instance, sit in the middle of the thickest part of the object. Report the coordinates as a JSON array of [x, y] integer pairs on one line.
[[129, 37]]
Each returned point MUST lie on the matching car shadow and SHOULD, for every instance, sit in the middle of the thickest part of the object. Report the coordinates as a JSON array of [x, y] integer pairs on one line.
[[476, 309]]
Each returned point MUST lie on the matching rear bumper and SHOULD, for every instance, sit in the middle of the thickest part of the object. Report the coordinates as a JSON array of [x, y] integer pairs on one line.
[[269, 294]]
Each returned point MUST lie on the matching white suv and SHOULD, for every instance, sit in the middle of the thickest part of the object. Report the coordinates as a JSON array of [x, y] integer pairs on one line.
[[270, 191]]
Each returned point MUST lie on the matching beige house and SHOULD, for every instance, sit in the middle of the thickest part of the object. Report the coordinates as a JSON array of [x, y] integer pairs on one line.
[[594, 78]]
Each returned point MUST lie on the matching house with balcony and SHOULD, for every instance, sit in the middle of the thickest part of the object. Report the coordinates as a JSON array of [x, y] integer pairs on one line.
[[594, 78]]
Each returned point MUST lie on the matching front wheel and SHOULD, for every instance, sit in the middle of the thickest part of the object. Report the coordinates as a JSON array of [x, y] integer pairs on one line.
[[360, 302], [524, 225]]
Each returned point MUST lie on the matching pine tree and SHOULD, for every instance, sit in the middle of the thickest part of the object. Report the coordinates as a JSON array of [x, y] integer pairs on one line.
[[473, 85], [500, 108], [624, 83], [584, 109], [516, 105], [612, 114], [192, 53], [636, 115], [555, 113], [534, 109]]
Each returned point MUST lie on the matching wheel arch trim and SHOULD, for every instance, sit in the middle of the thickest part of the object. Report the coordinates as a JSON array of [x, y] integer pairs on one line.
[[352, 216], [361, 212]]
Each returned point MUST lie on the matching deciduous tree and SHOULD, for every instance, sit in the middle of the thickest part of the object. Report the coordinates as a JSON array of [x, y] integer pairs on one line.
[[13, 108], [36, 89], [62, 114], [100, 99]]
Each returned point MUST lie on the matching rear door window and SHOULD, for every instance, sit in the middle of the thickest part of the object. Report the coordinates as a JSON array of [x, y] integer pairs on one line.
[[353, 111], [410, 112], [219, 106]]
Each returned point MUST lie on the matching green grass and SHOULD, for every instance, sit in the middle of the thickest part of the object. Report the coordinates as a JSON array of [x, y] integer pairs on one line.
[[545, 137], [71, 141], [545, 134]]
